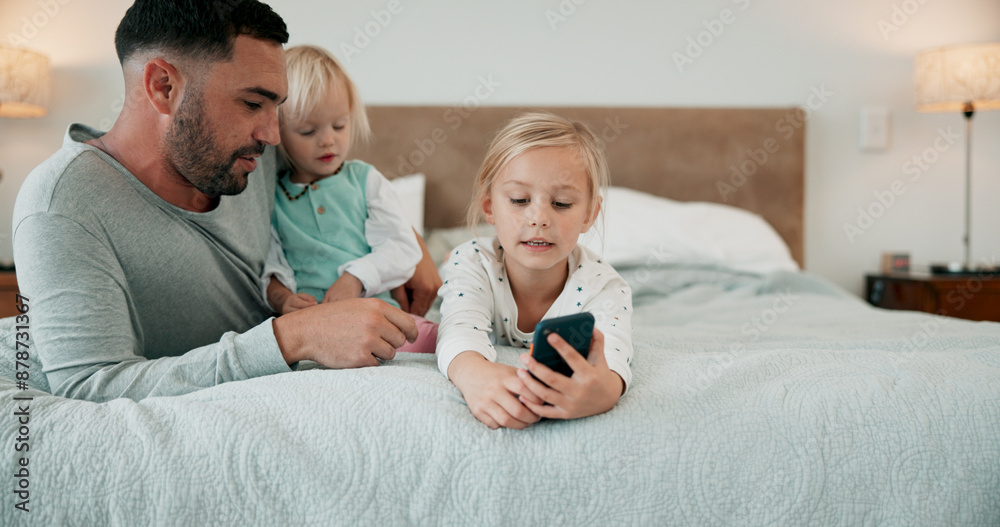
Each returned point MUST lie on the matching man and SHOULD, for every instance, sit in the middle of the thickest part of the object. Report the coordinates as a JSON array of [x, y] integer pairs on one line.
[[141, 249]]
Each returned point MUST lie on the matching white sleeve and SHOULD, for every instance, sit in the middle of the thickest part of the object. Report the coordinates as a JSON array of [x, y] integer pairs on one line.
[[612, 310], [395, 251], [466, 308], [277, 266]]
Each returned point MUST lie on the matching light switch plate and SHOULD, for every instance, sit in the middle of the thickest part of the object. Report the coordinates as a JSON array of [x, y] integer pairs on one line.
[[873, 135]]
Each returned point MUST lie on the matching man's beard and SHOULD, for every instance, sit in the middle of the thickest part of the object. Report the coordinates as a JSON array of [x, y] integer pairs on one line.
[[192, 148]]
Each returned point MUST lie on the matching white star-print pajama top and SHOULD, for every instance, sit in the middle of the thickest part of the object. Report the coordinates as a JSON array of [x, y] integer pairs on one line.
[[478, 310]]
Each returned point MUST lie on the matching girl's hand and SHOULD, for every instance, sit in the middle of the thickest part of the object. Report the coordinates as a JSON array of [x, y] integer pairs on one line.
[[347, 286], [296, 302], [593, 389], [402, 298], [491, 390]]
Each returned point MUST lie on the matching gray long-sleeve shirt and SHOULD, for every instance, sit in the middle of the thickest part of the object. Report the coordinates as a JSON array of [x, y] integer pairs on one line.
[[133, 297]]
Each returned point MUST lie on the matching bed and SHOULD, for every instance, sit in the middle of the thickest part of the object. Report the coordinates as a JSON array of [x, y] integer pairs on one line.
[[762, 395]]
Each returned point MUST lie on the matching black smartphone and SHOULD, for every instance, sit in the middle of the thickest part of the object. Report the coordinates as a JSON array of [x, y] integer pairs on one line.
[[576, 329]]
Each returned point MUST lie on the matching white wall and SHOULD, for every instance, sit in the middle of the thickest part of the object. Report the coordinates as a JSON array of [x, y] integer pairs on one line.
[[772, 53]]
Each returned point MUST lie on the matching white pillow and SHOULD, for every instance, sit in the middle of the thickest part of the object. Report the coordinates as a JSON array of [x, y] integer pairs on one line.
[[410, 190], [644, 229], [440, 242]]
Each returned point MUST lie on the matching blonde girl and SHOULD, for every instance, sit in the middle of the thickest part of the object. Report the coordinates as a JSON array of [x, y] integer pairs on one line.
[[338, 220], [540, 186]]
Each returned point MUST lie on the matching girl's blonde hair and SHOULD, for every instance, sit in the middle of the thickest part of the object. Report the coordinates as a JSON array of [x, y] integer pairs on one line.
[[312, 71], [538, 130]]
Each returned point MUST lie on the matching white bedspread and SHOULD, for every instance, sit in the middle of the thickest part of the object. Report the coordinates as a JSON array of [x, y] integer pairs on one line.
[[756, 401]]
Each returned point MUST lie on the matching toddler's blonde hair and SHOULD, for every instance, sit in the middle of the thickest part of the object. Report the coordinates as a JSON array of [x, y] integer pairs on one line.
[[538, 130], [312, 71]]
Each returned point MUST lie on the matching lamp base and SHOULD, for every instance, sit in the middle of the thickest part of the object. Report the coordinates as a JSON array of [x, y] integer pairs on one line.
[[959, 269]]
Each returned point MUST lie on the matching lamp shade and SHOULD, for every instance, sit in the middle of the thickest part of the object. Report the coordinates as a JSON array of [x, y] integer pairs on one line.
[[948, 78], [24, 83]]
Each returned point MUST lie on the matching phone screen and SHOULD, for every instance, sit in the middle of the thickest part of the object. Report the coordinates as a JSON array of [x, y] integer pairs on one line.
[[576, 329]]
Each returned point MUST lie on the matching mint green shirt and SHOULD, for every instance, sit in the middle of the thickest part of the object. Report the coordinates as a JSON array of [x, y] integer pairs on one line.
[[349, 222]]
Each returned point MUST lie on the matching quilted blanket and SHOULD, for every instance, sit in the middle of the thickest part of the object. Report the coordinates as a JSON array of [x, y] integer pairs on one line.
[[757, 400]]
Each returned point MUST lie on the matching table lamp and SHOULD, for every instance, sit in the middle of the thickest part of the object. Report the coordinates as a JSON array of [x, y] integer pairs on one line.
[[24, 83], [965, 79]]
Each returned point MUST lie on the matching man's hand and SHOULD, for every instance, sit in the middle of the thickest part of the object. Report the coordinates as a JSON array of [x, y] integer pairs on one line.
[[347, 286], [348, 334], [418, 294], [491, 391]]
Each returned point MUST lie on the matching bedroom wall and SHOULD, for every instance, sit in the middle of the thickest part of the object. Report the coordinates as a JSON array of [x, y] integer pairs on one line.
[[834, 57]]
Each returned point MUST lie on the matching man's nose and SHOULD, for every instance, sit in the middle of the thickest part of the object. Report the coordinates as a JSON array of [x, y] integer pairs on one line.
[[267, 132]]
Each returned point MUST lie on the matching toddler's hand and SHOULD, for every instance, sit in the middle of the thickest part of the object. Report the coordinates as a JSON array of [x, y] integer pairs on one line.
[[421, 289], [347, 286], [296, 302], [593, 389]]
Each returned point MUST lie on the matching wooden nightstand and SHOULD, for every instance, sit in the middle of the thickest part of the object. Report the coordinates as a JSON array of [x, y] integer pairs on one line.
[[8, 292], [973, 297]]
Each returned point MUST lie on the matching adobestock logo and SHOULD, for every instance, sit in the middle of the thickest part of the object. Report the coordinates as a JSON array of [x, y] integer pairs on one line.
[[455, 116], [366, 33], [116, 109], [612, 130], [566, 9], [714, 28], [959, 295], [916, 342], [757, 157], [752, 330], [900, 16], [31, 25], [919, 164], [916, 166]]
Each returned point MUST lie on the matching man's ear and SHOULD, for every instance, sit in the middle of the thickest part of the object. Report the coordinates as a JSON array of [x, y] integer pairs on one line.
[[488, 209], [593, 216], [162, 82]]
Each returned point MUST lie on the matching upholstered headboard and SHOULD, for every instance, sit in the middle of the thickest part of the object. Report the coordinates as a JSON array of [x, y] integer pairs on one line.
[[749, 158]]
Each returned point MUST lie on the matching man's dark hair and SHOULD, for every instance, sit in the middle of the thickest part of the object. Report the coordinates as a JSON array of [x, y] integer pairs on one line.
[[200, 29]]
